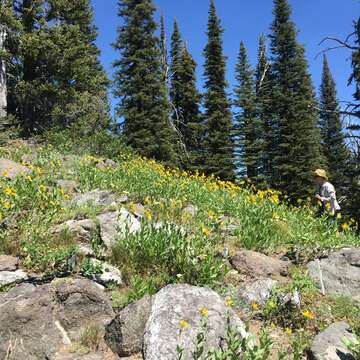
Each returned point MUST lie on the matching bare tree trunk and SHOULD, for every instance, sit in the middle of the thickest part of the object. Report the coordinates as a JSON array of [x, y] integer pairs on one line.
[[3, 102]]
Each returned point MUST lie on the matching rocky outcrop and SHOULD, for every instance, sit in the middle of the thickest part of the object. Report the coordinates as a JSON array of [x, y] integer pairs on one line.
[[176, 317], [328, 345], [125, 333], [36, 322], [95, 198], [117, 224], [8, 263], [257, 292], [80, 230], [257, 265], [338, 274], [10, 169], [68, 186]]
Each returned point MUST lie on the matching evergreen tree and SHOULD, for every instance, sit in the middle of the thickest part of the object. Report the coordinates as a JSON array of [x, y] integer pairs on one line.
[[163, 50], [297, 146], [219, 159], [334, 148], [247, 130], [139, 84], [52, 86], [264, 112]]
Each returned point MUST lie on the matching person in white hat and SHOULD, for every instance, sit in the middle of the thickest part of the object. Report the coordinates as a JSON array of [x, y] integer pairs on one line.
[[326, 192]]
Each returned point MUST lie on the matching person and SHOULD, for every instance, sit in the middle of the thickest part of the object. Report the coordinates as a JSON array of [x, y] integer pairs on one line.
[[326, 193]]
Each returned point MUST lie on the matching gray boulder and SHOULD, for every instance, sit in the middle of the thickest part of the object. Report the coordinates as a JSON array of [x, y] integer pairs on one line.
[[257, 265], [339, 273], [109, 275], [117, 224], [10, 169], [68, 186], [8, 263], [95, 198], [125, 333], [328, 345], [36, 322], [257, 292], [177, 303], [81, 230], [12, 277]]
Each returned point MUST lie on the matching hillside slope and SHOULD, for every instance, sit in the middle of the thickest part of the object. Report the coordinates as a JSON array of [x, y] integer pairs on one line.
[[155, 226]]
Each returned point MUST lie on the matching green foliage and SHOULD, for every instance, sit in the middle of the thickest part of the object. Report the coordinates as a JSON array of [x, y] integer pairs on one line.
[[296, 150], [48, 85], [185, 100], [139, 84], [353, 346], [90, 268], [333, 141], [247, 127], [219, 157], [91, 336], [168, 251]]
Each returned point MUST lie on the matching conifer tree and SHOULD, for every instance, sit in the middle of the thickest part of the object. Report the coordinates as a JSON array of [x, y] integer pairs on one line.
[[53, 86], [297, 146], [334, 148], [163, 50], [219, 159], [139, 85], [247, 130], [264, 112]]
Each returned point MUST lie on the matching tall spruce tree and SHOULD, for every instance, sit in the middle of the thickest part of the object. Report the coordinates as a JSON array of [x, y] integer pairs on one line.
[[297, 146], [163, 50], [335, 151], [219, 158], [264, 112], [247, 130], [139, 85]]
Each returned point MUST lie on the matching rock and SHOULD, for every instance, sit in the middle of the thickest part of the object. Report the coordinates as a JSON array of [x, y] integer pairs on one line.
[[95, 198], [110, 274], [125, 333], [68, 186], [117, 224], [328, 344], [10, 169], [12, 277], [190, 211], [8, 263], [184, 302], [339, 273], [257, 292], [36, 322], [106, 164], [29, 158], [138, 210], [81, 230], [256, 264]]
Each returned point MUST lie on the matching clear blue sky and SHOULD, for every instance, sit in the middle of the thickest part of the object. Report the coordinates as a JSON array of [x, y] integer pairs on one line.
[[246, 20]]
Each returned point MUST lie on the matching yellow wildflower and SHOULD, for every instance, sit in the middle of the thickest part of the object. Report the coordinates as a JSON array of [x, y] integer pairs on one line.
[[6, 204], [10, 192], [271, 304], [29, 178], [183, 324], [148, 214], [308, 315], [206, 231], [204, 312], [288, 331], [5, 174], [229, 302], [255, 306], [345, 226]]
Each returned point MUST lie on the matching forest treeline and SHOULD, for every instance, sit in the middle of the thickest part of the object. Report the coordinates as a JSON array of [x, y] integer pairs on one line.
[[274, 129]]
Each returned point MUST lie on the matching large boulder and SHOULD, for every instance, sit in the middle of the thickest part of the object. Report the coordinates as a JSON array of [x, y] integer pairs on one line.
[[257, 265], [36, 322], [95, 198], [125, 333], [117, 224], [339, 273], [10, 169], [8, 263], [328, 345], [80, 230], [12, 277], [181, 305]]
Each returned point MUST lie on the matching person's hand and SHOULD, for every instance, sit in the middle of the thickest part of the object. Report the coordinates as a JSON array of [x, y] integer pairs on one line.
[[318, 197]]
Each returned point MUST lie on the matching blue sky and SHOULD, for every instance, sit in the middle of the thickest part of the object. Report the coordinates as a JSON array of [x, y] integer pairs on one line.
[[246, 20]]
